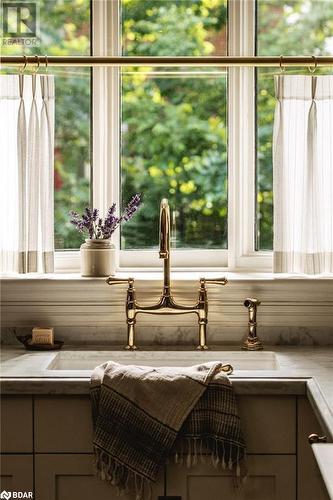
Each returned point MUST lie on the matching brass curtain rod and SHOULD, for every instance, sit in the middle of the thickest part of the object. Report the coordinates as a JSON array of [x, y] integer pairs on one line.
[[117, 61]]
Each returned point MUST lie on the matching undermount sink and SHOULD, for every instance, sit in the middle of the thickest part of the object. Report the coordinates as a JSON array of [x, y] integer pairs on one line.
[[240, 360]]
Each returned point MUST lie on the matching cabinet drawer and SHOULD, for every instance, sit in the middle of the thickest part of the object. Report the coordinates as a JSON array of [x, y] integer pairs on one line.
[[16, 424], [268, 423], [16, 473], [63, 424]]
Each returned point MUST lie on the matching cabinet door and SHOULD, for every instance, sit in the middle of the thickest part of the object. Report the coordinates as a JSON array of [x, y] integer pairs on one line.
[[16, 424], [268, 423], [71, 477], [69, 418], [16, 473], [269, 478], [310, 482]]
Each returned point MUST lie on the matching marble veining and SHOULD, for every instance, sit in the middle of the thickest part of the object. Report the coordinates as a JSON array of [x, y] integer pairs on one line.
[[181, 335]]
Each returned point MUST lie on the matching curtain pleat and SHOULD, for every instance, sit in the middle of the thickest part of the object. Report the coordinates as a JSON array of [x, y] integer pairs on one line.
[[33, 184], [27, 123], [46, 186], [22, 182], [303, 179]]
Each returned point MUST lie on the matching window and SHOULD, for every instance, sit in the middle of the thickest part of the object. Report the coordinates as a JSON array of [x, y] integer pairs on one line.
[[64, 29], [201, 136]]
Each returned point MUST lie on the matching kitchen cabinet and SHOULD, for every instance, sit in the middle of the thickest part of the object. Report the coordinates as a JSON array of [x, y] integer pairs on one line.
[[47, 441]]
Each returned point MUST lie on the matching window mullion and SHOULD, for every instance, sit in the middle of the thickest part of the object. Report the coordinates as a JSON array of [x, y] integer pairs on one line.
[[241, 175], [106, 108]]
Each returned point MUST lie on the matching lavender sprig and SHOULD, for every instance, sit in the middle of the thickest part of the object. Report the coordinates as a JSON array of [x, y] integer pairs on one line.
[[131, 207], [99, 228]]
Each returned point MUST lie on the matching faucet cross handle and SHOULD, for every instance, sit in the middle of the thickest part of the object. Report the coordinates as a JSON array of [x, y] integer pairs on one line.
[[213, 281], [111, 280]]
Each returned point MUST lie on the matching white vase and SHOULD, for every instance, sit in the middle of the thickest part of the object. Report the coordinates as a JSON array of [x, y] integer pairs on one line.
[[97, 258]]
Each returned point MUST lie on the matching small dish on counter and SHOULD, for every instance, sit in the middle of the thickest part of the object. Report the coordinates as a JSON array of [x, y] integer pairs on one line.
[[26, 340]]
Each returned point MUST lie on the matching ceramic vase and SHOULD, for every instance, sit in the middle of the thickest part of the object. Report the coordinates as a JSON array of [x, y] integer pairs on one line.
[[97, 258]]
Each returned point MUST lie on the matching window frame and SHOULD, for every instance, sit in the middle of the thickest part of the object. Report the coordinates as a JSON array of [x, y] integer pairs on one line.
[[241, 254]]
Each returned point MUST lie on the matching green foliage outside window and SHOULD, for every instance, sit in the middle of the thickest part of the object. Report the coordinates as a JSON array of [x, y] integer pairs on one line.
[[174, 124]]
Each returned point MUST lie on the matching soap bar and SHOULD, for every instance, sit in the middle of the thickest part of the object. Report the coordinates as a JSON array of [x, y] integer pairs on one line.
[[42, 336]]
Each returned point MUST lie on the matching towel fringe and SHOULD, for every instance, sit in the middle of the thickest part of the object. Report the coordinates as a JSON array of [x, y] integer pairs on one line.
[[195, 452], [109, 469], [200, 451], [189, 454], [224, 454]]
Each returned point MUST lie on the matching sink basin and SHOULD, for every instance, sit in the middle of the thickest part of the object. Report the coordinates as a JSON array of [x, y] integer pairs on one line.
[[88, 360]]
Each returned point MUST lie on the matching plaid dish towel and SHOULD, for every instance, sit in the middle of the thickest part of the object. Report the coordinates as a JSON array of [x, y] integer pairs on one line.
[[142, 415]]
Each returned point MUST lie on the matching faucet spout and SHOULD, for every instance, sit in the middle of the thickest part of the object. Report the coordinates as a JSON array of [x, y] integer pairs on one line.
[[165, 244], [164, 229]]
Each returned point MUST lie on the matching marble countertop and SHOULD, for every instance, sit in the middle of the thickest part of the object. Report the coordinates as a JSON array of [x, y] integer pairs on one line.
[[302, 370]]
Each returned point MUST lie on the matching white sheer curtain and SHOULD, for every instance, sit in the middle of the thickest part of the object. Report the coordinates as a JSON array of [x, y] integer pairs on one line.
[[303, 174], [26, 170]]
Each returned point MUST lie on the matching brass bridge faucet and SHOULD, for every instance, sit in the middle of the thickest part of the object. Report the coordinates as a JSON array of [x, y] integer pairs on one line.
[[166, 304]]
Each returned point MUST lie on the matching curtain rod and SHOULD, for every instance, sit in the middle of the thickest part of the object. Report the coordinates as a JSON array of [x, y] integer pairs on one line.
[[116, 61]]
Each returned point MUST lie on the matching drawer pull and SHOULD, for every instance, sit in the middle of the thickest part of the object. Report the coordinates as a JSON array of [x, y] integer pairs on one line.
[[314, 438]]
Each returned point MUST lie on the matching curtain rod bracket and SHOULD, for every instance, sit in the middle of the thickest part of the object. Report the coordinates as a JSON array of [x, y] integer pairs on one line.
[[282, 68], [313, 70]]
